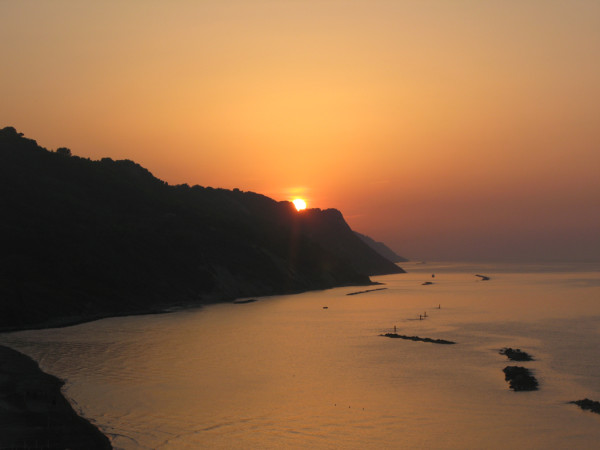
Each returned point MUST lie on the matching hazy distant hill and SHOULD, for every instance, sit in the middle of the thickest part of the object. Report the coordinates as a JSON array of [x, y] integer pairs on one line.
[[331, 231], [84, 238], [381, 248]]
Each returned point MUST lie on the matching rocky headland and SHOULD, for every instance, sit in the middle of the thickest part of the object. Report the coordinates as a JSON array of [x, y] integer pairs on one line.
[[381, 248], [84, 239]]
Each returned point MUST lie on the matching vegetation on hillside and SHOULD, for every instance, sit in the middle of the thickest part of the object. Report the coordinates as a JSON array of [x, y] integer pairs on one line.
[[83, 238]]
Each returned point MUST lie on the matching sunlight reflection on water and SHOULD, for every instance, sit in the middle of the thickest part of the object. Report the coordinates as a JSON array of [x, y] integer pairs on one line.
[[284, 372]]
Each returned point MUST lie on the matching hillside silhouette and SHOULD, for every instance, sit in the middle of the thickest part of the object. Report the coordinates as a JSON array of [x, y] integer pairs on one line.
[[83, 239], [381, 248]]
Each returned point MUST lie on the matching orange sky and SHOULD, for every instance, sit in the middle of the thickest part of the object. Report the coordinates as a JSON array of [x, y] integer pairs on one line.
[[449, 130]]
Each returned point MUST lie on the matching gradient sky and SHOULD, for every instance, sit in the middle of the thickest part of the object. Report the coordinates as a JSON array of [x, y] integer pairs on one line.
[[448, 129]]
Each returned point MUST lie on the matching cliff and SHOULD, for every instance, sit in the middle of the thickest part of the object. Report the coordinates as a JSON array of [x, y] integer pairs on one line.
[[330, 230], [84, 239], [381, 248]]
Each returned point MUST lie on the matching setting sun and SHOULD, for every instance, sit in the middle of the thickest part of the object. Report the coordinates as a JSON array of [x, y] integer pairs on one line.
[[299, 204]]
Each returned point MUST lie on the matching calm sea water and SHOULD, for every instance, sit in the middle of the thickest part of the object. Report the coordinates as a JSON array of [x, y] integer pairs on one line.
[[285, 372]]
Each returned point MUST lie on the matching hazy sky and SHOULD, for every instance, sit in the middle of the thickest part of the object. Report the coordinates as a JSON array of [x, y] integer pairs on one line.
[[448, 129]]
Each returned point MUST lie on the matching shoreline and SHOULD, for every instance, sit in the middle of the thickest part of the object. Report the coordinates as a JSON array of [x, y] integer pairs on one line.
[[167, 308], [34, 413], [484, 336], [33, 410], [78, 320]]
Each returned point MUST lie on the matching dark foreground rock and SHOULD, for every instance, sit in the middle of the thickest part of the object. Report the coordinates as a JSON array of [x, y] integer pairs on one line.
[[520, 378], [588, 405], [483, 277], [515, 355], [416, 338], [34, 413]]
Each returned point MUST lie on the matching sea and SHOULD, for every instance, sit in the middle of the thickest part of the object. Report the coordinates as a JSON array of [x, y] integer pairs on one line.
[[312, 370]]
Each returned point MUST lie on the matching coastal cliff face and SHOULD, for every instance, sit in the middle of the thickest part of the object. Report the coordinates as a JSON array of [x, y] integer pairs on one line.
[[83, 239], [381, 248], [331, 231]]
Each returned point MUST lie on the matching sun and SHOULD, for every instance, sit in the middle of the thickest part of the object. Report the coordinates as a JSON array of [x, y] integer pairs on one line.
[[299, 204]]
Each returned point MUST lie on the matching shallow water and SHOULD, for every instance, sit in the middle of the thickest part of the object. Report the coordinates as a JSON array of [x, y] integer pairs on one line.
[[284, 372]]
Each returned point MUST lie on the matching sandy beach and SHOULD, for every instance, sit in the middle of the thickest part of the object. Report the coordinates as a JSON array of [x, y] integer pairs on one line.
[[33, 411]]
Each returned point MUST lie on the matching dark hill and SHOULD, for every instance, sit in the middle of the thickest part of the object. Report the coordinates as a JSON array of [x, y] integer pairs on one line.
[[330, 230], [83, 239], [381, 248]]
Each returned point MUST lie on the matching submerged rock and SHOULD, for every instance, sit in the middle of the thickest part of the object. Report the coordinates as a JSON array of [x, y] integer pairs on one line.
[[587, 404], [515, 355], [520, 378], [416, 338]]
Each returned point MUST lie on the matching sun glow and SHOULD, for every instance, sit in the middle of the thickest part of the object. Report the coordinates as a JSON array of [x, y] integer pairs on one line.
[[299, 204]]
